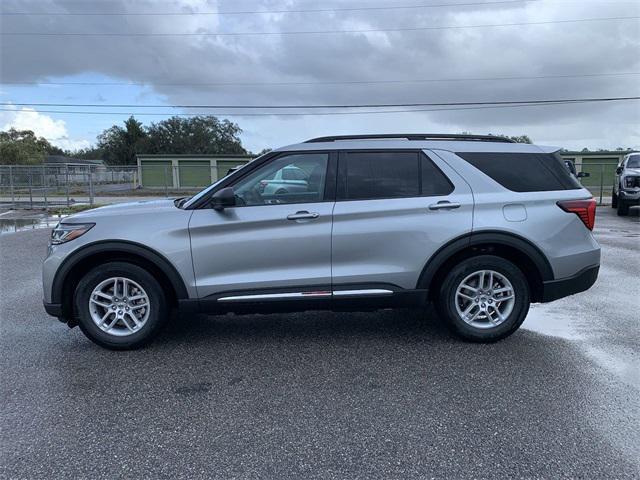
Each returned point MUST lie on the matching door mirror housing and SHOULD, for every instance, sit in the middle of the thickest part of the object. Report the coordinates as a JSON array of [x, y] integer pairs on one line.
[[619, 170], [223, 198]]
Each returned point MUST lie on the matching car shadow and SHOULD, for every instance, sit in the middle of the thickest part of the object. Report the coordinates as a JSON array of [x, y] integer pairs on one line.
[[320, 325]]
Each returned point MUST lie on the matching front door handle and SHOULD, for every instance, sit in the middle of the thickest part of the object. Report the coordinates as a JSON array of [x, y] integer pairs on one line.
[[303, 215], [444, 205]]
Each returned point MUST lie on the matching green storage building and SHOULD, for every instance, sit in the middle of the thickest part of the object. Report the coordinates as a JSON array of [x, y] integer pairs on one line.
[[601, 167], [185, 171]]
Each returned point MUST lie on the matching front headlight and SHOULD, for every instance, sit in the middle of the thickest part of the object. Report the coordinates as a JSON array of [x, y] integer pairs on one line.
[[65, 232], [630, 182]]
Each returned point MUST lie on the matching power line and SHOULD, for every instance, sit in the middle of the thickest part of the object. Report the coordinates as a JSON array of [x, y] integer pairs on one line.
[[343, 82], [265, 114], [305, 32], [249, 12], [313, 107]]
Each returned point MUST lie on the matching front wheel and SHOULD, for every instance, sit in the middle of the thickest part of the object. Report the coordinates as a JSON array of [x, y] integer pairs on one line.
[[120, 306], [623, 208], [484, 298], [614, 199]]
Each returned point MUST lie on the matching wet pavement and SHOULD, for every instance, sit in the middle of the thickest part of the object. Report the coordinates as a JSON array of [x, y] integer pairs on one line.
[[389, 394]]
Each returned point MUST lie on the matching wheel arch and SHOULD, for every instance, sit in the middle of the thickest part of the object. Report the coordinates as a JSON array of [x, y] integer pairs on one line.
[[84, 259], [512, 247]]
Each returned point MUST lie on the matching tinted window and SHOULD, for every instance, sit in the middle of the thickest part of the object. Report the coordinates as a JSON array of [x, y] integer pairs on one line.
[[266, 185], [434, 181], [381, 175], [524, 172]]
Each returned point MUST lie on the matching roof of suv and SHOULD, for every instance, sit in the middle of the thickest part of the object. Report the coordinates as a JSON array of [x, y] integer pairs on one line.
[[454, 143]]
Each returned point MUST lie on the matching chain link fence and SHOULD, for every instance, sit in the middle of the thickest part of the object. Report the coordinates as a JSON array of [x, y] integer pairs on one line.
[[44, 186], [64, 185]]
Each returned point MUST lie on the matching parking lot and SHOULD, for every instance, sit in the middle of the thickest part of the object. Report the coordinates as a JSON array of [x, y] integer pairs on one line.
[[389, 394]]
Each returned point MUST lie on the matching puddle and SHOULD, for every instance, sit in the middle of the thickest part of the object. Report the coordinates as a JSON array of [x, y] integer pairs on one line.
[[553, 323], [557, 323], [627, 369], [12, 225]]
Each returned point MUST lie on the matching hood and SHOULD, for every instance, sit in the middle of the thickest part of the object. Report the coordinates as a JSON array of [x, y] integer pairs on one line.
[[631, 171], [123, 209]]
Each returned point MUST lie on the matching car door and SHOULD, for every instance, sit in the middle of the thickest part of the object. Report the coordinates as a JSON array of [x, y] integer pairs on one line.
[[394, 210], [273, 244]]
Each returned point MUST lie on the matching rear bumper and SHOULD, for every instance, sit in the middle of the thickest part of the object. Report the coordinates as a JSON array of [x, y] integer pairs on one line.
[[581, 281]]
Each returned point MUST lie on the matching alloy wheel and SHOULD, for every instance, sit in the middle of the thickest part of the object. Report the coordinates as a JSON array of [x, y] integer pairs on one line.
[[119, 306], [485, 299]]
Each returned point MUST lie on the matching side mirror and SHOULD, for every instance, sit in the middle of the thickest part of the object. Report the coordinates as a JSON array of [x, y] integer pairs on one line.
[[223, 198], [583, 174], [618, 170]]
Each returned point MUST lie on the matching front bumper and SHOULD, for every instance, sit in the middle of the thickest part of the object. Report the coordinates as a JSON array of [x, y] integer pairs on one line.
[[631, 197], [581, 281]]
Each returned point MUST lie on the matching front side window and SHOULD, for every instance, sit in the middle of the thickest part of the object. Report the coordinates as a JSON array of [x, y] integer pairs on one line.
[[295, 178]]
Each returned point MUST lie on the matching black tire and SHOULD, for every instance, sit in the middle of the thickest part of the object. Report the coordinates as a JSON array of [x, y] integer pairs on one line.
[[623, 208], [158, 313], [614, 199], [447, 299]]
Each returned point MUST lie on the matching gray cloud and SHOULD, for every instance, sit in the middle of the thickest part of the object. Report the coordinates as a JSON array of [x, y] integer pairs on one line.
[[568, 48]]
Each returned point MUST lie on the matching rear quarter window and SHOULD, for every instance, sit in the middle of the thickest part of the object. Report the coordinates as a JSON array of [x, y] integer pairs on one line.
[[524, 172]]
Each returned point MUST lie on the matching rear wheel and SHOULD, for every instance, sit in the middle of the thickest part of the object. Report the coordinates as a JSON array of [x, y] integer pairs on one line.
[[484, 298], [120, 306]]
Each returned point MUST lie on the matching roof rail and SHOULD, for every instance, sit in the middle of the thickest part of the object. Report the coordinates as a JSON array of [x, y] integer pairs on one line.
[[415, 136]]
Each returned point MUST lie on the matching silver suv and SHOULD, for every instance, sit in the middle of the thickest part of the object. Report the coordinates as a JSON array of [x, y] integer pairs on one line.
[[626, 186], [477, 224]]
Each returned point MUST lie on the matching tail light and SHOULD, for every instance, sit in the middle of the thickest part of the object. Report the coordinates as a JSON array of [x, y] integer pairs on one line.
[[585, 209]]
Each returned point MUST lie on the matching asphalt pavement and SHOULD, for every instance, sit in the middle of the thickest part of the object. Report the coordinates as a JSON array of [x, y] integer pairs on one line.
[[327, 395]]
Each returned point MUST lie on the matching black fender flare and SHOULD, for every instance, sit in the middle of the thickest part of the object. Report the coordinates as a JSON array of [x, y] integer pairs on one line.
[[507, 239], [117, 246]]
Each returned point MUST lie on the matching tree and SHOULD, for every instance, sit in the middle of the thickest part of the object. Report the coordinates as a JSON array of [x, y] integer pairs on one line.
[[175, 135], [119, 145], [517, 138], [22, 147], [196, 135]]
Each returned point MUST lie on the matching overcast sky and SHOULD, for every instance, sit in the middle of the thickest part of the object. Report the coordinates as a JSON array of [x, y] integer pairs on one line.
[[308, 68]]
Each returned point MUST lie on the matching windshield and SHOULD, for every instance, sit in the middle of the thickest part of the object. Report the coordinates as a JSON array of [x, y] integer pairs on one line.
[[187, 202], [633, 162]]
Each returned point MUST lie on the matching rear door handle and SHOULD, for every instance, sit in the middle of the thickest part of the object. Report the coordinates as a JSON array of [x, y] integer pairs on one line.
[[303, 215], [444, 205]]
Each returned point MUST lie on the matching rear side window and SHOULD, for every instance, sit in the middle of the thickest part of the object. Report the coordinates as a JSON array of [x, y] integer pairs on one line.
[[524, 172], [372, 175], [389, 174], [434, 182]]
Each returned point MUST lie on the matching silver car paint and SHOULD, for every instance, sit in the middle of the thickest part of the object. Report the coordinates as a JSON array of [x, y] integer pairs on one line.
[[561, 236], [390, 240], [258, 247], [157, 225], [380, 240]]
